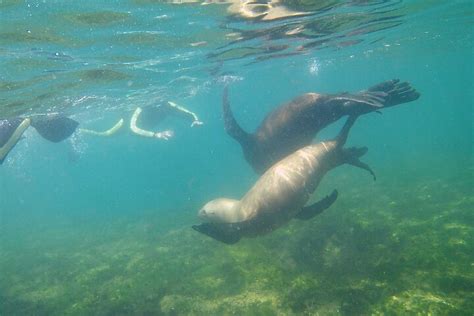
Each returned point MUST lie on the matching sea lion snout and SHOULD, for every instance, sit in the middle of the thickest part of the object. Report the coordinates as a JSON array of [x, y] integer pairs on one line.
[[204, 214], [220, 210]]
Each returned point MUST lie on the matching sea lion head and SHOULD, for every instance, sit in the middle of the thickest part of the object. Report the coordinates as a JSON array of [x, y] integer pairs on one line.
[[221, 210]]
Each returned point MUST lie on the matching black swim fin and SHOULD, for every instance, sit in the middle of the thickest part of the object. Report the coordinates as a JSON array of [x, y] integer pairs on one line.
[[311, 211], [222, 232], [54, 127]]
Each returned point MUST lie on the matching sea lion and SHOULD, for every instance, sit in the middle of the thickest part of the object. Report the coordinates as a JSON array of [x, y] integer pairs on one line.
[[293, 125], [281, 192]]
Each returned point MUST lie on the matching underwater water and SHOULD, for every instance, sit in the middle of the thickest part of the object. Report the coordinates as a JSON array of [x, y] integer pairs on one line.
[[102, 225]]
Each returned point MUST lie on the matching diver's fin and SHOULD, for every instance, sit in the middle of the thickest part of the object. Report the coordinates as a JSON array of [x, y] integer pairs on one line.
[[11, 132], [231, 126], [54, 127], [311, 211], [219, 232]]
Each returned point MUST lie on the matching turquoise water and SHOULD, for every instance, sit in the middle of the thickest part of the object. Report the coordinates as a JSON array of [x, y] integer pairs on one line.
[[102, 226]]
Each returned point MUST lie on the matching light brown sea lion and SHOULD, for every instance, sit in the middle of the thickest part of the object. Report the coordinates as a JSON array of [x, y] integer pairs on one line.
[[281, 192], [293, 125]]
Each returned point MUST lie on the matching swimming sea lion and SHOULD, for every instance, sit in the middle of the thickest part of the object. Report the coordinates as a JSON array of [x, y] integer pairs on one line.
[[293, 125], [281, 192]]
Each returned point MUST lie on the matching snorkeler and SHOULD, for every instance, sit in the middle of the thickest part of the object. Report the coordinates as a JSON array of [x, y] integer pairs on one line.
[[151, 115], [53, 127], [148, 117]]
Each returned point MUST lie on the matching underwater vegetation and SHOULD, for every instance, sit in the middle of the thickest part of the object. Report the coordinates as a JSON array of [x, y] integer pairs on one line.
[[102, 75], [20, 35], [97, 18], [397, 248]]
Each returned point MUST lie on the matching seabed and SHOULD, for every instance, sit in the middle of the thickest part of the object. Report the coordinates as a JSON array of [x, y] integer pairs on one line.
[[395, 248]]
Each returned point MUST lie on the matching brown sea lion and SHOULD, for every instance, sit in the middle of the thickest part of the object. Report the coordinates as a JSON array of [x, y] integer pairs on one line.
[[281, 192], [293, 125]]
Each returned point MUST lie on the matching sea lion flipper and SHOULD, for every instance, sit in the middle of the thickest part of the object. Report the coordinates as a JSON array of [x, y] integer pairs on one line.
[[54, 127], [396, 92], [221, 232], [231, 126], [363, 101], [352, 155], [311, 211], [359, 164]]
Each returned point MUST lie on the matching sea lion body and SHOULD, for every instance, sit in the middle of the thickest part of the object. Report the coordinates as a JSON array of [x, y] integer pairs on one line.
[[288, 128], [280, 194], [294, 124], [285, 188]]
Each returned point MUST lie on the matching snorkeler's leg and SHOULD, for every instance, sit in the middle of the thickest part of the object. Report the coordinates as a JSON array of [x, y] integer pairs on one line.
[[138, 131], [10, 133], [181, 110], [111, 131]]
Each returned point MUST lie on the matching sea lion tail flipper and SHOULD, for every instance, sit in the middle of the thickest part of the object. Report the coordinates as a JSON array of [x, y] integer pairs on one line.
[[221, 232], [396, 92], [311, 211], [352, 155], [54, 127], [231, 126]]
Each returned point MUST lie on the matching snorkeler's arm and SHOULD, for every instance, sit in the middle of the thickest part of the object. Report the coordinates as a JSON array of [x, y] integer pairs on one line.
[[192, 115], [135, 129], [5, 149], [108, 132]]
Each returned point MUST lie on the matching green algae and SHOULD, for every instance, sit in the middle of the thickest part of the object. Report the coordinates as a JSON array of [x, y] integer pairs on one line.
[[101, 75], [9, 3], [362, 257], [103, 18]]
